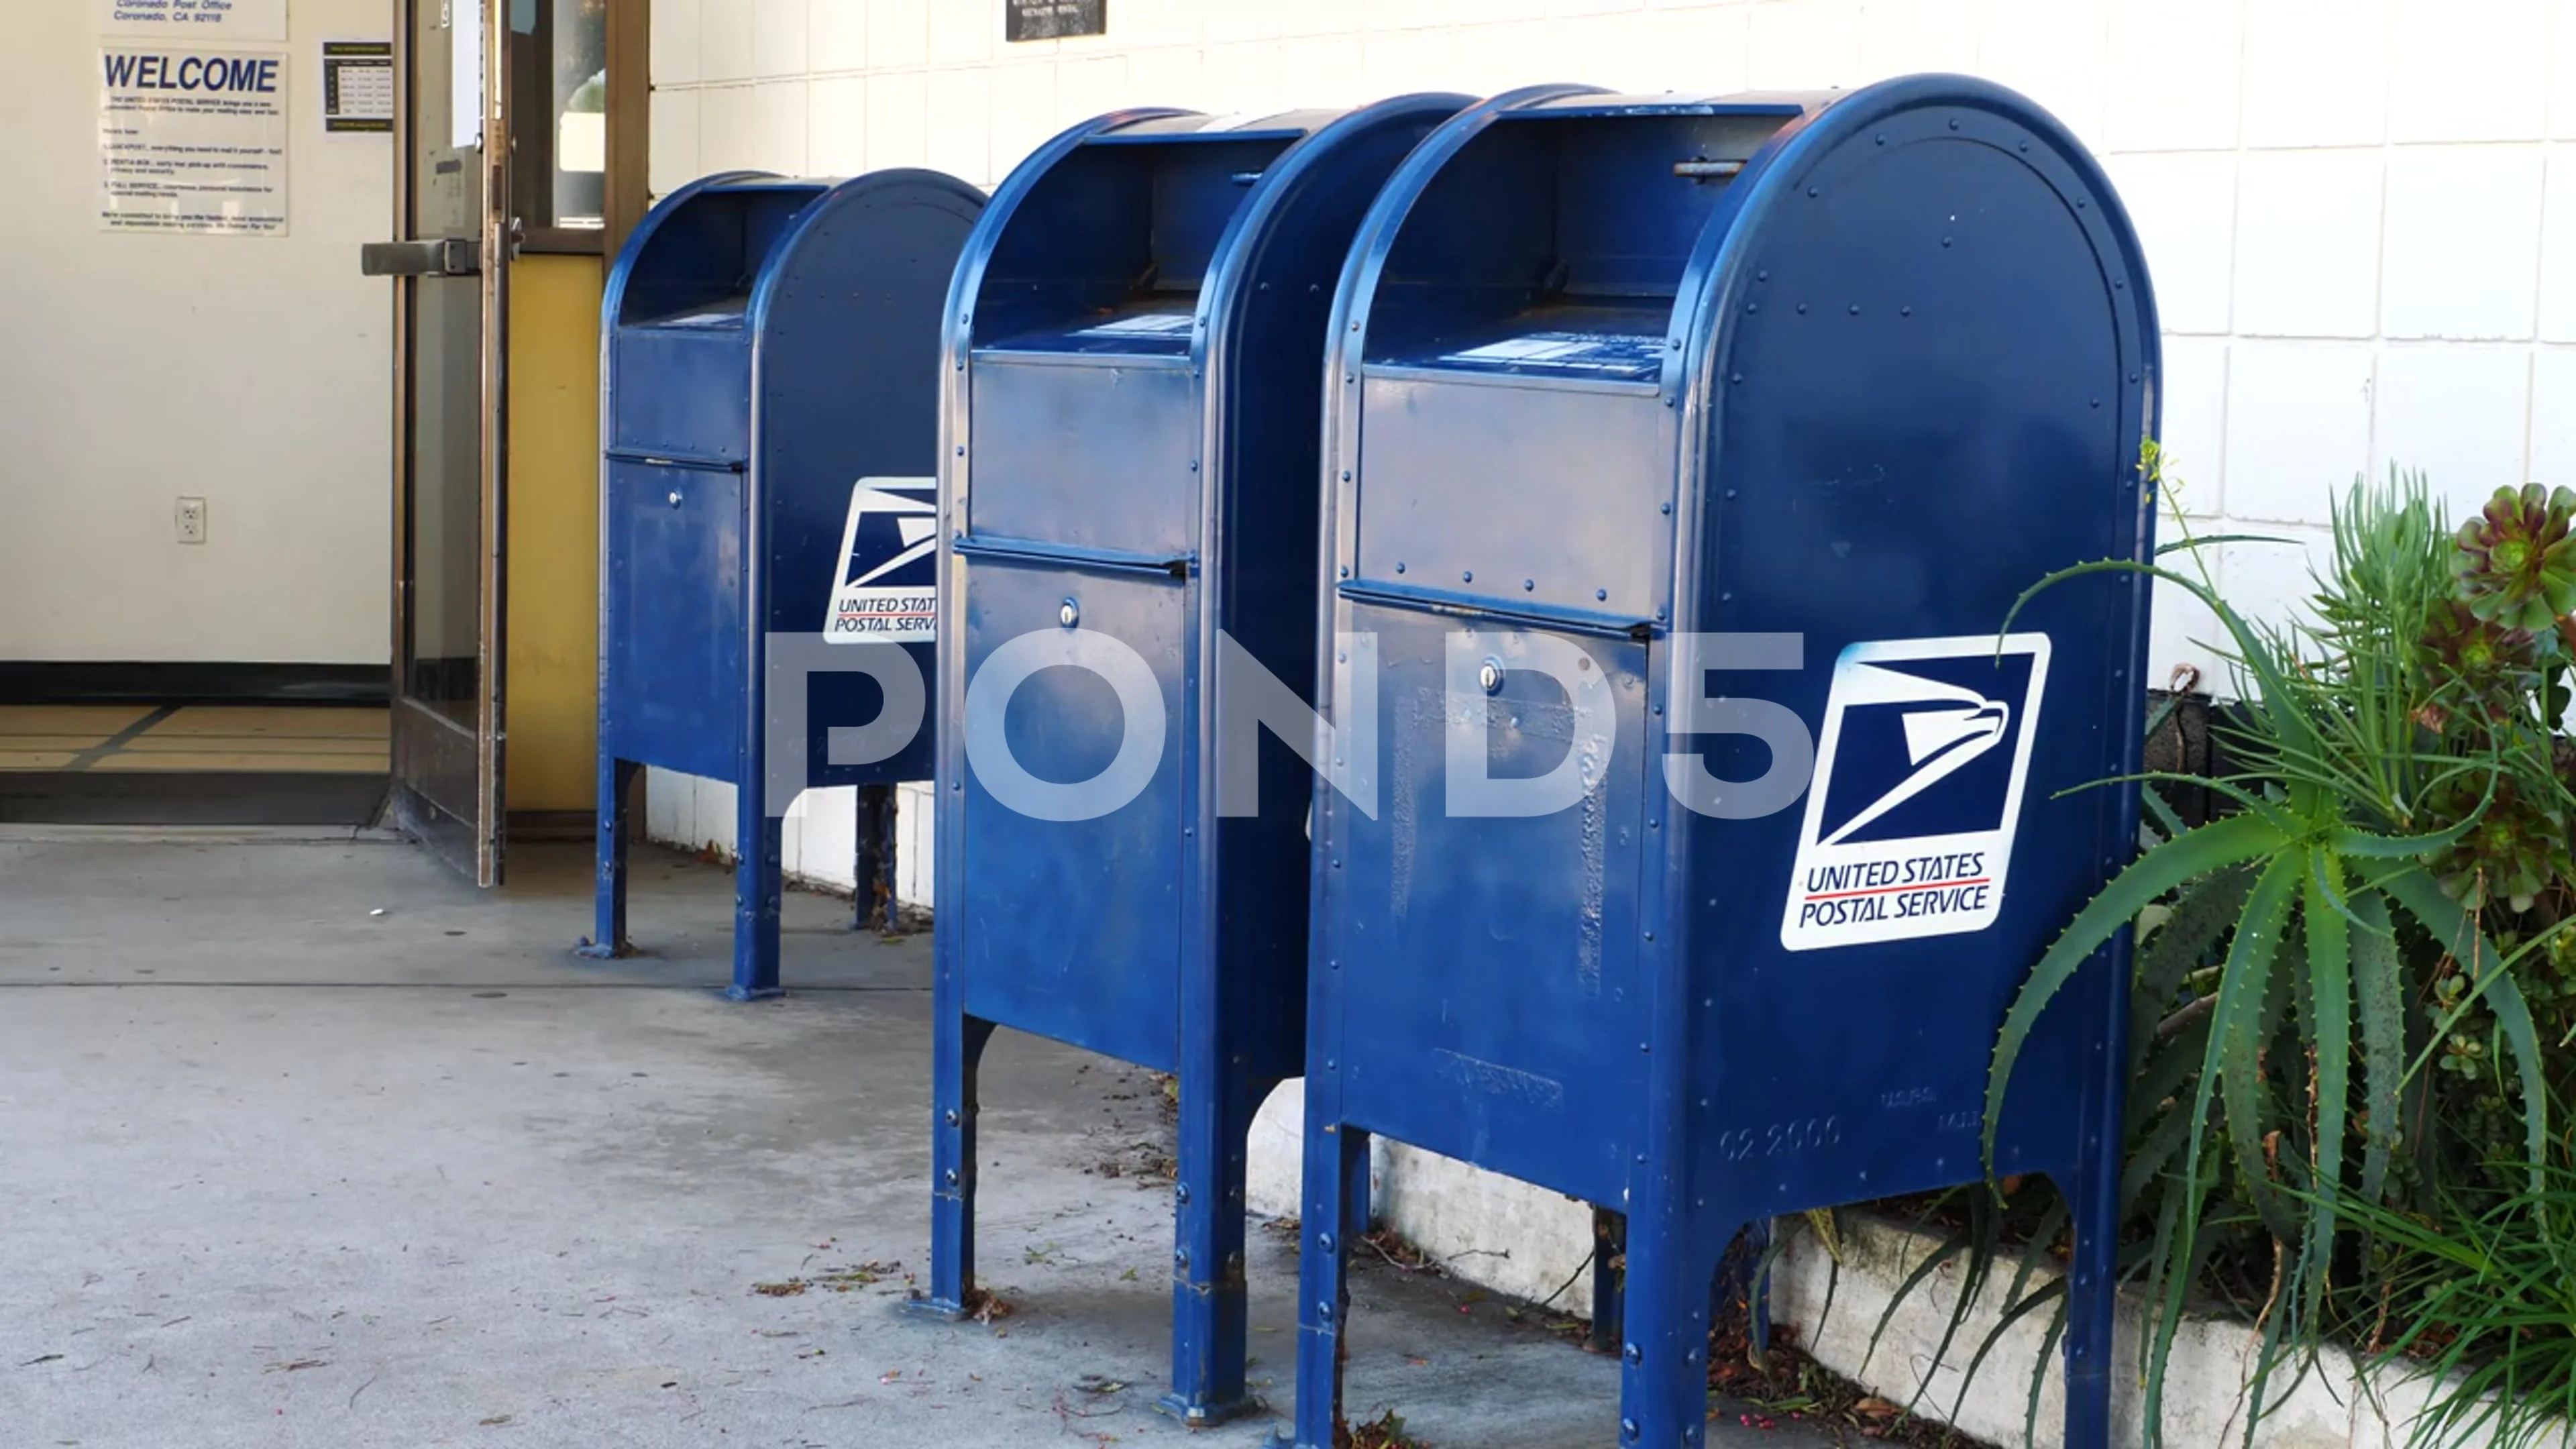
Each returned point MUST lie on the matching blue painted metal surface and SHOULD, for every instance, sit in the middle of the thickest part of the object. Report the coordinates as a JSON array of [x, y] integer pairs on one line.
[[1611, 372], [1129, 447], [766, 344]]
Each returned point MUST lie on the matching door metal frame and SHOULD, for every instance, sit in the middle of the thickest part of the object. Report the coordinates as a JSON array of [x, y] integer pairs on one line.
[[630, 120], [476, 847]]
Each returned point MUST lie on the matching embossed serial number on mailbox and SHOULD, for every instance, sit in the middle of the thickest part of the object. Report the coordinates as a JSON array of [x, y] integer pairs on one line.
[[1780, 1139]]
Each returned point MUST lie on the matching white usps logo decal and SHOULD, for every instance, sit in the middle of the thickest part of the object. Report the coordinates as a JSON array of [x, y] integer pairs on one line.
[[1910, 820], [885, 589]]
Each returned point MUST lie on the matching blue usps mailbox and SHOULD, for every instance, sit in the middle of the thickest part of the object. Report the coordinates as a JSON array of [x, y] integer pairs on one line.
[[1686, 458], [769, 418], [1128, 458]]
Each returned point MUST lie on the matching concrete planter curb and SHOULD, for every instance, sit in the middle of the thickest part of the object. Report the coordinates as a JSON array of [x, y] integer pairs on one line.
[[2338, 1404], [1526, 1242]]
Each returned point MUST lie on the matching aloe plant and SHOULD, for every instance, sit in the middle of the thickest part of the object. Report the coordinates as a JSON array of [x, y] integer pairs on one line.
[[2331, 854]]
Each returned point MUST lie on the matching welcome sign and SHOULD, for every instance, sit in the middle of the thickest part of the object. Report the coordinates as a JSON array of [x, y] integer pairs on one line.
[[192, 140]]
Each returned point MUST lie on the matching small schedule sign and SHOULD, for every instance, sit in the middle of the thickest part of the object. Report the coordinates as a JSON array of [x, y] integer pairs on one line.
[[1053, 19], [358, 86]]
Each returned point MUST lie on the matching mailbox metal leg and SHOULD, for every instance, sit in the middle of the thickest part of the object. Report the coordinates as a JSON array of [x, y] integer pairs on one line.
[[1210, 1329], [608, 932], [760, 846], [2092, 1294], [1336, 1187], [1663, 1362], [956, 1050]]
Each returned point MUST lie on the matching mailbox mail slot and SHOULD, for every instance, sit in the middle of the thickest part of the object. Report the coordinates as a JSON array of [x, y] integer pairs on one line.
[[1675, 444], [769, 421], [1128, 480]]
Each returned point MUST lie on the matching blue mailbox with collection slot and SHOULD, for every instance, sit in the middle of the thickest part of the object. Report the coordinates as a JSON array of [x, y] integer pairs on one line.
[[1128, 454], [769, 421], [1685, 459]]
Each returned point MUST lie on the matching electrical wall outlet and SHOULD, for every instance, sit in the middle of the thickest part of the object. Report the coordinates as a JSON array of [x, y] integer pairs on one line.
[[189, 518]]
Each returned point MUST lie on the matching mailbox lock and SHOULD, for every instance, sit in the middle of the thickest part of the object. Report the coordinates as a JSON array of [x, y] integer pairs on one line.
[[1491, 676], [1070, 614], [675, 498]]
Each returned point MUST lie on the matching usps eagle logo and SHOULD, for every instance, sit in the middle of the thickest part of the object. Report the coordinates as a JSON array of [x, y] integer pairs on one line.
[[886, 588], [1919, 773]]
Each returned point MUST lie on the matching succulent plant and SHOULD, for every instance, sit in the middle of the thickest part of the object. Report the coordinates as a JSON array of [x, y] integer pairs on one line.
[[2491, 668], [2516, 848], [2515, 563]]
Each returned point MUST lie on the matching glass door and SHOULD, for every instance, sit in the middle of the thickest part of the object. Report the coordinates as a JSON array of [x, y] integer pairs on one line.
[[450, 261]]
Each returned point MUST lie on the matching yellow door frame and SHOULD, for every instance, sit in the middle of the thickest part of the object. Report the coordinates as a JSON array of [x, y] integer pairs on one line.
[[552, 628]]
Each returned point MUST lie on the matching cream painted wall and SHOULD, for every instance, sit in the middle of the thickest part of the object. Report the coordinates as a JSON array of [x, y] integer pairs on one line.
[[2360, 214], [249, 371]]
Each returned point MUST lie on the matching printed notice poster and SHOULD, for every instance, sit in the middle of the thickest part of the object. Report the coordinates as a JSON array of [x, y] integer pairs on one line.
[[203, 21], [358, 86], [192, 140]]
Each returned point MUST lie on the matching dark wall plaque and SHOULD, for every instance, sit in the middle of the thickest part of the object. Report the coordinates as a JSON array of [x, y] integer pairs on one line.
[[1053, 19]]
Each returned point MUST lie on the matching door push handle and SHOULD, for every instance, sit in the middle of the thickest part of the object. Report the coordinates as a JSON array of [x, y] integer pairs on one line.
[[445, 256]]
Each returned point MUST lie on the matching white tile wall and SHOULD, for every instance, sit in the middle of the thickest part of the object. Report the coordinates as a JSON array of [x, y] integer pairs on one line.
[[2478, 73], [818, 841], [898, 126], [2316, 71], [2461, 254], [2183, 204], [673, 159], [2307, 243], [899, 32], [836, 36], [836, 124], [677, 45], [2267, 580], [1803, 44], [778, 37], [2553, 418], [1256, 76], [2298, 427], [961, 122], [724, 39], [2194, 51], [1899, 36], [2562, 73], [2558, 239], [2195, 423], [2458, 413], [2360, 214], [2057, 52], [962, 34]]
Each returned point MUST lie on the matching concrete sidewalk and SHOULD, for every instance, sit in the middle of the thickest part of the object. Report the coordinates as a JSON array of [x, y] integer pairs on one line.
[[278, 1170]]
